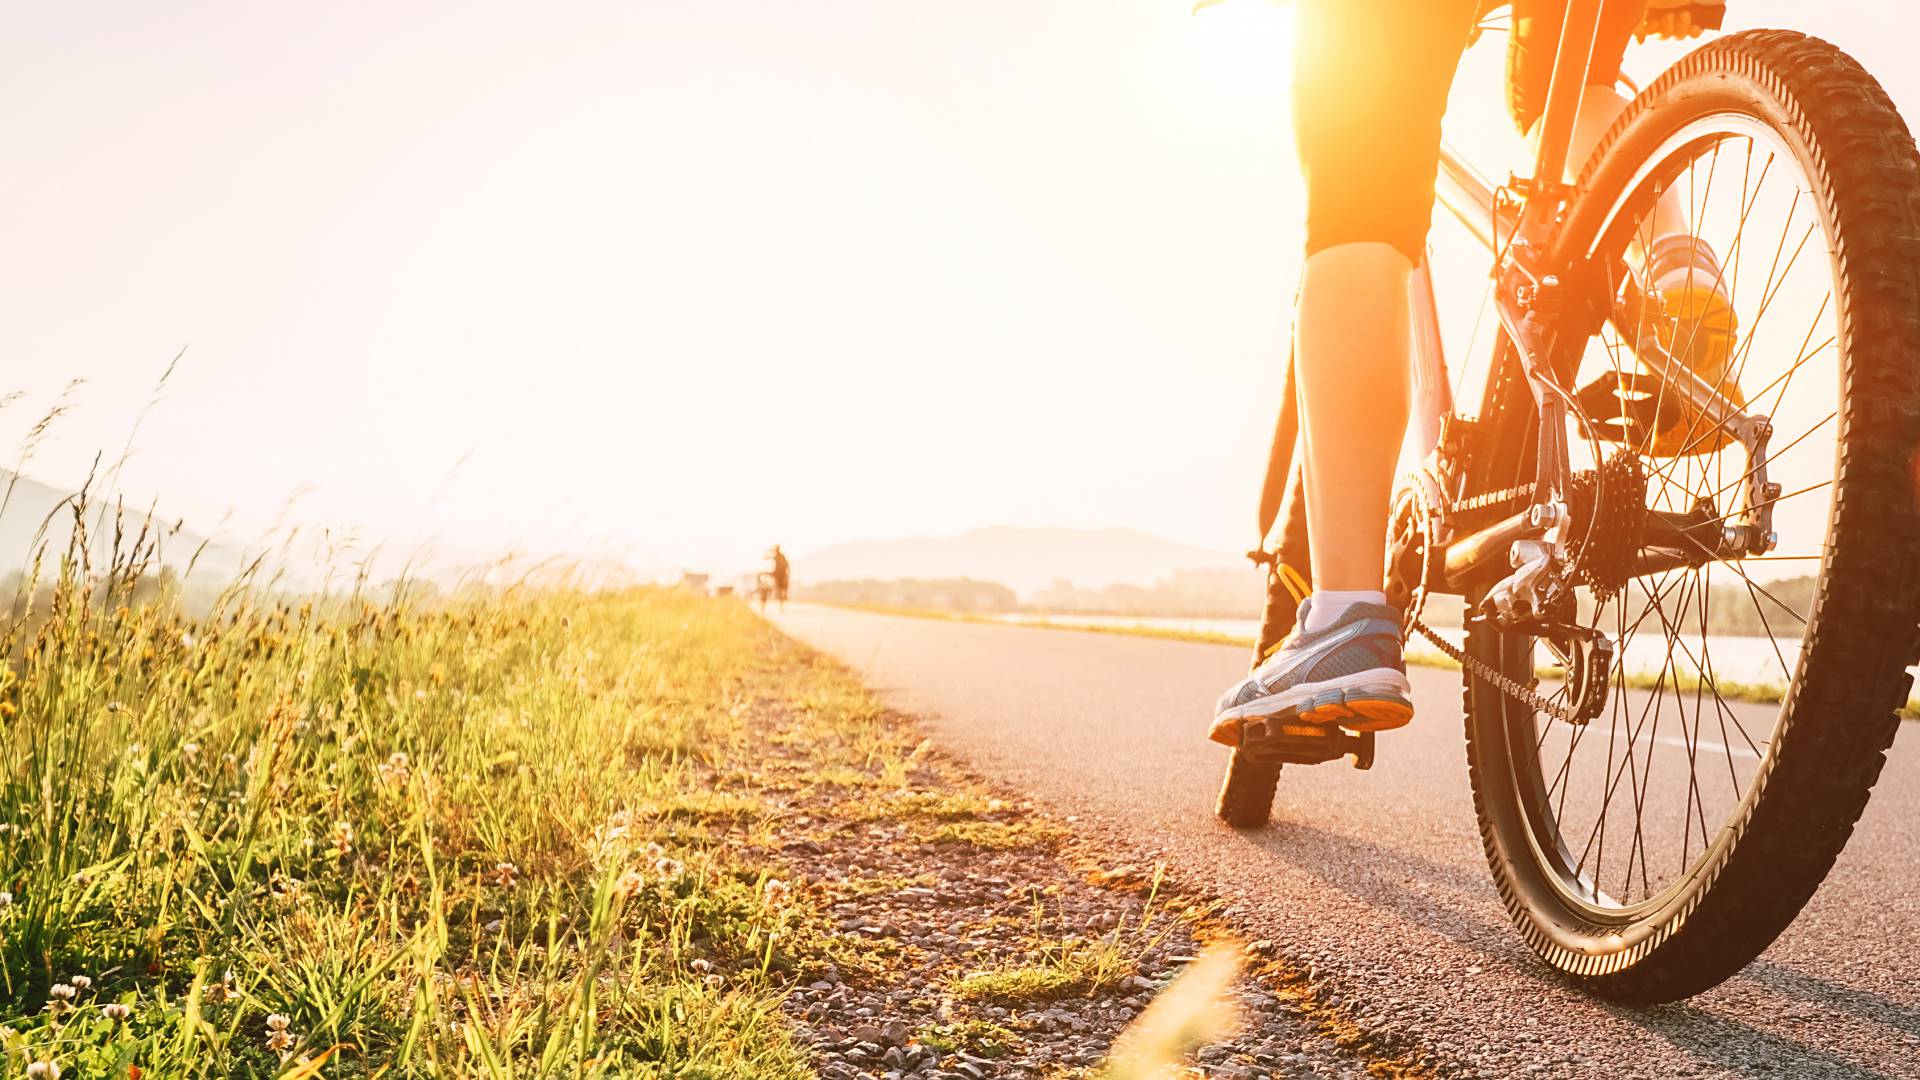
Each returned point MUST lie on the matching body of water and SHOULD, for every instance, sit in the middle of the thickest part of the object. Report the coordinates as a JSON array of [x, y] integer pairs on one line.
[[1750, 660]]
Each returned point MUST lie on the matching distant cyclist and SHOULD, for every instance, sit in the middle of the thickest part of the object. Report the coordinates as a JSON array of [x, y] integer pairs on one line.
[[1370, 86], [782, 573]]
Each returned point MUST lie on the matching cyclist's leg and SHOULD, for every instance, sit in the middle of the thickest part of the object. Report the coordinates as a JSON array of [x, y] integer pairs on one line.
[[1534, 41], [1370, 85], [1371, 80]]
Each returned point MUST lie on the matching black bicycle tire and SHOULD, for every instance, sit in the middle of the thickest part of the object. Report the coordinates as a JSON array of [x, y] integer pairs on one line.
[[1841, 712]]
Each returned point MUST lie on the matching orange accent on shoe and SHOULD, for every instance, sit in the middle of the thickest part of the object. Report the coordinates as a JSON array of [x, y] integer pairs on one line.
[[1362, 715]]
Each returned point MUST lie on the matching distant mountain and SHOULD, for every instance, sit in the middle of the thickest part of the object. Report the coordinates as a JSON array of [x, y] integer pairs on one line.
[[1025, 559], [33, 505]]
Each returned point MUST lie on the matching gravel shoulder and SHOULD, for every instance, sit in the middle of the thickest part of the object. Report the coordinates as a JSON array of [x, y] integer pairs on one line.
[[980, 938]]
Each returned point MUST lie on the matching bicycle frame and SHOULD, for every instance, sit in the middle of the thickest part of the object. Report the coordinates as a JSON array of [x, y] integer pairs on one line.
[[1550, 300]]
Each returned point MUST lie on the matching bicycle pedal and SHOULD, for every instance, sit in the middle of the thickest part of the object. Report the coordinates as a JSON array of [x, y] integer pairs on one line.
[[1287, 740]]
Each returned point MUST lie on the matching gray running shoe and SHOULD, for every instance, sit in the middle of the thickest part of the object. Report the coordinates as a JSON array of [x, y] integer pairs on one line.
[[1351, 674]]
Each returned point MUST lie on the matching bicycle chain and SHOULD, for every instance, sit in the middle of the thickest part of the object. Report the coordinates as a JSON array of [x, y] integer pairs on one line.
[[1514, 688], [1490, 498]]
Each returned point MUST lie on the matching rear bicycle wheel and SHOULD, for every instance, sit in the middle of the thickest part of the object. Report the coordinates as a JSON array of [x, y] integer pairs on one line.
[[1654, 851]]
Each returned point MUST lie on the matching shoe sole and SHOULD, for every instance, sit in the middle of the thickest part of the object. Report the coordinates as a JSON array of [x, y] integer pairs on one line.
[[1378, 700]]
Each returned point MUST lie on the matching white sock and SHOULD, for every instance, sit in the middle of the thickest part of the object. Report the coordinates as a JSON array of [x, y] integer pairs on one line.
[[1329, 604]]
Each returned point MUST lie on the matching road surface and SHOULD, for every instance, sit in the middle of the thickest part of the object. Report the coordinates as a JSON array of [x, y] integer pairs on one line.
[[1377, 878]]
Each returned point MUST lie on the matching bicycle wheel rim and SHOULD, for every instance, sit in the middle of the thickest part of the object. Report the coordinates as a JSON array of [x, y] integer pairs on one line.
[[1572, 849]]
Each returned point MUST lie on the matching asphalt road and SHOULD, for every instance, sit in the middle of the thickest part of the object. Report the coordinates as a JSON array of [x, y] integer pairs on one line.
[[1377, 878]]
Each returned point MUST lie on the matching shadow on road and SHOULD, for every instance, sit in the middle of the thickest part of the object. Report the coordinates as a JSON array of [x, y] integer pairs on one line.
[[1417, 889], [1813, 989], [1741, 1048]]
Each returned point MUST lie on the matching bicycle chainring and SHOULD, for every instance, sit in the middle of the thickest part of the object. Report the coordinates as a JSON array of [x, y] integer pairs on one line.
[[1410, 553]]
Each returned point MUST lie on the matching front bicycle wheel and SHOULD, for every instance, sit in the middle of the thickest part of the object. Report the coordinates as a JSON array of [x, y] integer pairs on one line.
[[1655, 850]]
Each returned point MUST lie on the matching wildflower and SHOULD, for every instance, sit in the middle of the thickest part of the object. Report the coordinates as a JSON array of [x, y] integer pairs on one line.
[[6, 899], [654, 851], [630, 882], [116, 1011], [700, 967], [81, 981], [286, 889], [715, 982], [774, 892], [619, 825], [223, 989], [397, 769], [342, 838], [668, 868], [47, 1069], [62, 991], [504, 874], [186, 639], [189, 750], [278, 1022]]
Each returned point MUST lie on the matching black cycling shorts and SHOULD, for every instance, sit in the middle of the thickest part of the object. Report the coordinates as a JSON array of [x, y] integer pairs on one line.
[[1370, 86]]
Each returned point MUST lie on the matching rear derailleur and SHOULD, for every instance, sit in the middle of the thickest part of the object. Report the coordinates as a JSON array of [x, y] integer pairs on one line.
[[1537, 601]]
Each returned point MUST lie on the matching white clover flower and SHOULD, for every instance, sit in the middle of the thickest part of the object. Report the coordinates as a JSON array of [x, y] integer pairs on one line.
[[630, 882], [715, 982], [669, 868], [81, 981], [700, 967], [43, 1070], [504, 873], [278, 1022], [116, 1011], [189, 749], [6, 899], [61, 991]]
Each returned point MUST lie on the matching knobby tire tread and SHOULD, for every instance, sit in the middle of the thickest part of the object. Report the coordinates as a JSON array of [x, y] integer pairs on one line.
[[1842, 710]]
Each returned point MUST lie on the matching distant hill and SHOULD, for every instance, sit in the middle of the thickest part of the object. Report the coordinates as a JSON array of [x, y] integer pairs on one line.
[[1024, 559], [33, 503]]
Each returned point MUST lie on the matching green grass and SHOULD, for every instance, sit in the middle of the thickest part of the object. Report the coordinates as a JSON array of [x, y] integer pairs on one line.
[[518, 834], [995, 835], [1062, 970], [1054, 969], [980, 1038]]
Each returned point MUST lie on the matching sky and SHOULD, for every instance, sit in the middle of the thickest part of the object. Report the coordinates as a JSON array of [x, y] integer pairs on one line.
[[673, 281]]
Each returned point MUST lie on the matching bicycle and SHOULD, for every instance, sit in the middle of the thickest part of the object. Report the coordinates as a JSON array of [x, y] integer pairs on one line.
[[1598, 719]]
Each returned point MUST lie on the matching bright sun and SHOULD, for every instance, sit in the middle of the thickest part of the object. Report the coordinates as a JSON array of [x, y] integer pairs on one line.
[[1246, 41]]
